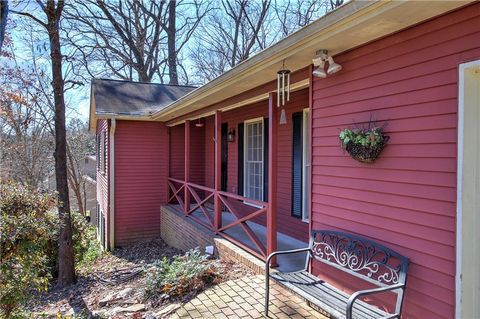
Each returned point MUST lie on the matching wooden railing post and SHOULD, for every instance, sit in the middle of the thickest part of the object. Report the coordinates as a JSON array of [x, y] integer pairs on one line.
[[218, 170], [187, 167], [272, 177]]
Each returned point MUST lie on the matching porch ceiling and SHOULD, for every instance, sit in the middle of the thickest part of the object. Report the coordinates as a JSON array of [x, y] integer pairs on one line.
[[354, 24]]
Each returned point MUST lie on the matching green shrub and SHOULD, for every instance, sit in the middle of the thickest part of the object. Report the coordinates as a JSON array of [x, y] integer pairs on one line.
[[184, 275], [26, 237], [85, 245]]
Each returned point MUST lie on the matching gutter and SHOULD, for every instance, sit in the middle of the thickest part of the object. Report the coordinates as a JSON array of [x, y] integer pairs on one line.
[[111, 193]]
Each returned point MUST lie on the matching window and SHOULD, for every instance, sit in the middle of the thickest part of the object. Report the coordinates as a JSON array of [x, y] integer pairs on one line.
[[254, 159], [104, 153], [301, 165], [97, 150]]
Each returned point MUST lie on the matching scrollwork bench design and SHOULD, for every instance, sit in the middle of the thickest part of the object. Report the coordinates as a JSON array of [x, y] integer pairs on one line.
[[354, 255]]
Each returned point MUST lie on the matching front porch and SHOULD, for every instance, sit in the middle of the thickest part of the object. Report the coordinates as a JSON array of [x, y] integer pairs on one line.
[[237, 235], [240, 173]]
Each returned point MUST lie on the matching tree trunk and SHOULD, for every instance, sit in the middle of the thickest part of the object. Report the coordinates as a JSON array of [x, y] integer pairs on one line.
[[172, 50], [3, 20], [66, 269]]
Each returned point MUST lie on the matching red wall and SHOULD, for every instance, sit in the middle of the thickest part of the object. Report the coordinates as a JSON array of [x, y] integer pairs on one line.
[[141, 166], [177, 151], [406, 199], [102, 178]]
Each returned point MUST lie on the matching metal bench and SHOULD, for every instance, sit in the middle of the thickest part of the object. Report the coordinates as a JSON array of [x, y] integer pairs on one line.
[[354, 255]]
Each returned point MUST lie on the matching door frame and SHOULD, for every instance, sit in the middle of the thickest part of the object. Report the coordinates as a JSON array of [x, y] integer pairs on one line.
[[306, 175], [461, 249]]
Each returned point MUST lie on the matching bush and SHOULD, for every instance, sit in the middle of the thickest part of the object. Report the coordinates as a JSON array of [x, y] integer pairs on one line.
[[85, 245], [184, 275], [26, 238]]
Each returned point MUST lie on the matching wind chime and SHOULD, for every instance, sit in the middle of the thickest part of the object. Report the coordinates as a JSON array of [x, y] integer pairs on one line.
[[283, 91]]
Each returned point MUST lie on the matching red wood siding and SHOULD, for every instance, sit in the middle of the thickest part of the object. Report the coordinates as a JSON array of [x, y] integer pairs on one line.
[[177, 151], [210, 152], [197, 154], [102, 177], [140, 179], [406, 199]]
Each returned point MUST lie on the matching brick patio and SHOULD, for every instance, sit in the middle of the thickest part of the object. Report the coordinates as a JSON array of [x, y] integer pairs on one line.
[[244, 298]]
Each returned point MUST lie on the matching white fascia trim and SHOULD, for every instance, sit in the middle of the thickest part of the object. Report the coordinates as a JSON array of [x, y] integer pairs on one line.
[[111, 171], [460, 128]]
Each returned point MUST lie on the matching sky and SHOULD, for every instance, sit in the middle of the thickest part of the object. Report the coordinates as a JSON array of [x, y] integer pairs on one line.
[[78, 99], [22, 34]]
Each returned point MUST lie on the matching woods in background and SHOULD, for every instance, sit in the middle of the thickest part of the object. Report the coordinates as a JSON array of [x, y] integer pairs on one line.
[[57, 47]]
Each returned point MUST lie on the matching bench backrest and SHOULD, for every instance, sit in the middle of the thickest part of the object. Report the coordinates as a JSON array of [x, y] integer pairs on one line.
[[359, 257]]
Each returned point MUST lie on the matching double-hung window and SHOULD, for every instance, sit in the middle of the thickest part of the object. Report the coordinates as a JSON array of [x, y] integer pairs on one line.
[[254, 159]]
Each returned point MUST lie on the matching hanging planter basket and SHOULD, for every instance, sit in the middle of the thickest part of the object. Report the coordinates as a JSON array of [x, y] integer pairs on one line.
[[363, 145]]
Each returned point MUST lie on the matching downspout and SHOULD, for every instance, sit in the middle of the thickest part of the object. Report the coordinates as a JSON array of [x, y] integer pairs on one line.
[[111, 171]]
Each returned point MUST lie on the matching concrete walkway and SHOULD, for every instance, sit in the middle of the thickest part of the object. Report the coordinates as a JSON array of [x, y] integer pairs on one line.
[[244, 298]]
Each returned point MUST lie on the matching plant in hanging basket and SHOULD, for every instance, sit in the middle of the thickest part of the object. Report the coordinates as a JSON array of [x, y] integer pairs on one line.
[[363, 145]]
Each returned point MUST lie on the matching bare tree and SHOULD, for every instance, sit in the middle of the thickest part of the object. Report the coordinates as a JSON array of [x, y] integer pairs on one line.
[[3, 20], [229, 36], [293, 15], [52, 12], [25, 141], [132, 37], [80, 144]]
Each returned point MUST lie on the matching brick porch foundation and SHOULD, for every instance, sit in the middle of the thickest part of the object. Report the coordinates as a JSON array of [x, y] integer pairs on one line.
[[182, 232]]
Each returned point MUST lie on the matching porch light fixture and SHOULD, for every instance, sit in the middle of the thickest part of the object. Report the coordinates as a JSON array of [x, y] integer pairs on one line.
[[319, 63], [283, 85], [332, 66], [231, 136], [199, 123]]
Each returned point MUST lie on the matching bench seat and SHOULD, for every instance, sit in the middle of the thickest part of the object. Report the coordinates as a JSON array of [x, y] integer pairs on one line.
[[353, 255], [325, 296]]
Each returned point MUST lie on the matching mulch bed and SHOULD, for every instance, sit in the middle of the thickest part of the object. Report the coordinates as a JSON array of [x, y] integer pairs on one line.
[[113, 286]]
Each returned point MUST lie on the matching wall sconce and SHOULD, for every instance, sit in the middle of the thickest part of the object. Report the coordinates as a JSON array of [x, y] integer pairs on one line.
[[231, 136], [199, 123]]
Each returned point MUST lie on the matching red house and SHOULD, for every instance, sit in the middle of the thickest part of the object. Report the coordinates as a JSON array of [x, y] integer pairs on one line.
[[226, 157]]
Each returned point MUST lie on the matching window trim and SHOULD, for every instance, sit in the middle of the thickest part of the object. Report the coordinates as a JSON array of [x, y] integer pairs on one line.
[[245, 148], [306, 173]]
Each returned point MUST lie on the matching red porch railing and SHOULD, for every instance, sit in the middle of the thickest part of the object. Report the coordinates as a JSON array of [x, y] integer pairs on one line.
[[212, 203], [202, 198]]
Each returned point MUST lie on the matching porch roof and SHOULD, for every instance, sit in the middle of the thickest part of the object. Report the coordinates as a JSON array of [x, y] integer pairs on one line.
[[351, 25]]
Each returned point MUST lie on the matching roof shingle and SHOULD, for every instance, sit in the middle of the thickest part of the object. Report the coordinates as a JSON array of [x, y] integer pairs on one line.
[[134, 98]]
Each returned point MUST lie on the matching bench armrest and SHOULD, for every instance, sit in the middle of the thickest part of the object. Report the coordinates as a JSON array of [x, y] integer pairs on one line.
[[366, 292], [283, 252]]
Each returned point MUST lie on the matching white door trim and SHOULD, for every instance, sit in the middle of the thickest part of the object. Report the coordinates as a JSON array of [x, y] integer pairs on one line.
[[460, 149], [306, 165]]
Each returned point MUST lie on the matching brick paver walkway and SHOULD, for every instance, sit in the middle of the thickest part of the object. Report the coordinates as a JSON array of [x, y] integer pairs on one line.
[[244, 298]]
